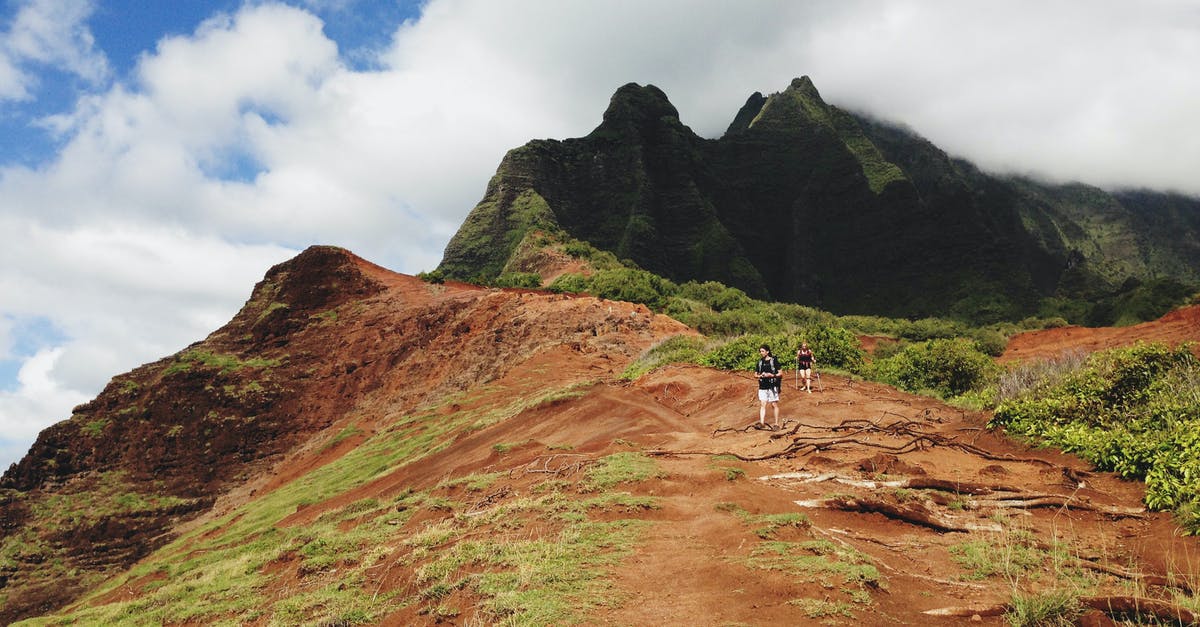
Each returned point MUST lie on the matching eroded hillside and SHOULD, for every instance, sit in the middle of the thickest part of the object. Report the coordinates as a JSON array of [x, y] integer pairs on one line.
[[361, 447]]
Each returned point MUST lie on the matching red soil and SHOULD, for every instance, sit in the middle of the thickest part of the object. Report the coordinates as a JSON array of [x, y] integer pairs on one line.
[[1177, 327], [694, 565], [691, 567]]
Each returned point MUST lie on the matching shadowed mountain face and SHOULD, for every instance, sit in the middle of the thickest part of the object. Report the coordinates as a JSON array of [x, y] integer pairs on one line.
[[801, 201]]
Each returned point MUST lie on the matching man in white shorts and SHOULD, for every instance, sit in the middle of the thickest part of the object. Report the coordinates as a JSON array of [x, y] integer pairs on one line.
[[770, 379]]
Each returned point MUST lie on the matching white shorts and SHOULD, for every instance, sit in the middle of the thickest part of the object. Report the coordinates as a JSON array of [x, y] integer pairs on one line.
[[769, 396]]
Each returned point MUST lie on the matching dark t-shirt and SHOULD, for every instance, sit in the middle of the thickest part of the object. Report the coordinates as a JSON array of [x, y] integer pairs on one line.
[[768, 364], [805, 357]]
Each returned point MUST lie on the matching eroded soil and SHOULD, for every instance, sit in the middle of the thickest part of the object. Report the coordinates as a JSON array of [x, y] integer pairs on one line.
[[899, 483]]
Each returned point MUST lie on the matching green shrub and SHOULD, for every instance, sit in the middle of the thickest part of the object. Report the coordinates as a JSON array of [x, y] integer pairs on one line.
[[835, 347], [528, 280], [1134, 411], [989, 341], [569, 283], [686, 349], [947, 367], [832, 347], [750, 320], [437, 277], [634, 286], [742, 353], [716, 295]]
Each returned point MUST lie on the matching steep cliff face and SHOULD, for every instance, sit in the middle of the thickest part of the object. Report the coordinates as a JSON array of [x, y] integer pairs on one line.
[[633, 186], [801, 201]]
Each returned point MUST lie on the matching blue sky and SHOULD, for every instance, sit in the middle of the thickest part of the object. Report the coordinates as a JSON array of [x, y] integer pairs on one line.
[[156, 158]]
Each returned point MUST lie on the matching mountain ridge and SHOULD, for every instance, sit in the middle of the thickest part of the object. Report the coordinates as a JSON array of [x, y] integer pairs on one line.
[[803, 202]]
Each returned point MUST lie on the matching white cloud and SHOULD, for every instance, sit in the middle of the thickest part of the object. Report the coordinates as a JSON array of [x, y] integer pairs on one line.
[[51, 33], [38, 393], [229, 149], [6, 337], [1065, 90]]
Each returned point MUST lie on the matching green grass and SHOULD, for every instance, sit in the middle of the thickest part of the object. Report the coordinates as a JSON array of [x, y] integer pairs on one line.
[[222, 362], [817, 561], [223, 571], [628, 467], [766, 525]]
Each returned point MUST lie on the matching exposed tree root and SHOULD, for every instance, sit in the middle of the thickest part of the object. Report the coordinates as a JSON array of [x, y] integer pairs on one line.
[[917, 439], [913, 513], [1168, 581], [958, 611], [1115, 606], [830, 533], [914, 483], [1054, 500], [559, 465], [1141, 607]]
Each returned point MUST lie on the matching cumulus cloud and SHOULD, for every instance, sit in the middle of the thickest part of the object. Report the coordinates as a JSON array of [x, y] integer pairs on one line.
[[231, 148], [38, 393], [49, 33]]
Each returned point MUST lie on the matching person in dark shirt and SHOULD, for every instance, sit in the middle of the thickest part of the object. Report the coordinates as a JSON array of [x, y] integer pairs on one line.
[[804, 364], [770, 380]]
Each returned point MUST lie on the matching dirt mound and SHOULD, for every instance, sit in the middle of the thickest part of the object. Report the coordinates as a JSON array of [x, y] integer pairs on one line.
[[1177, 327]]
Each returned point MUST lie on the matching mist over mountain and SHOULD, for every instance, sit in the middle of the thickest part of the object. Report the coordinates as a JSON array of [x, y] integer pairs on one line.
[[804, 202]]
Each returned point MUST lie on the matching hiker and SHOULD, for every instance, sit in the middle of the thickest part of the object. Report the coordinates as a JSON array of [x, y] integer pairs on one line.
[[804, 364], [770, 380]]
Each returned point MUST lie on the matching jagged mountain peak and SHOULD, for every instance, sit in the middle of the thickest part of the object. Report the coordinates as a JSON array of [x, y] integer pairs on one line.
[[637, 107], [798, 107]]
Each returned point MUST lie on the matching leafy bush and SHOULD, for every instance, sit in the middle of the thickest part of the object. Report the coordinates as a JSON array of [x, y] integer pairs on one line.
[[832, 347], [569, 283], [835, 347], [753, 320], [990, 341], [529, 280], [742, 353], [437, 277], [716, 295], [634, 286], [947, 367], [686, 349], [1134, 411]]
